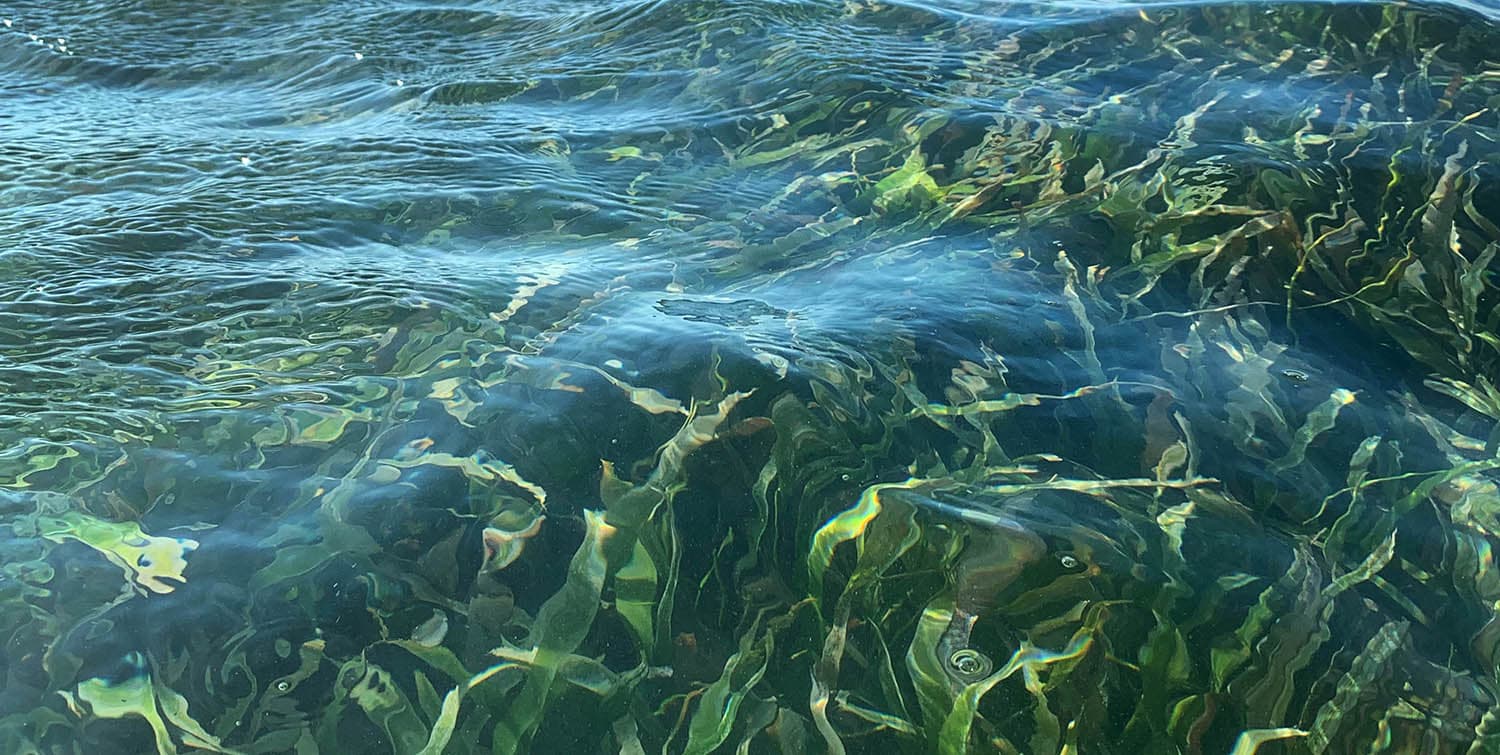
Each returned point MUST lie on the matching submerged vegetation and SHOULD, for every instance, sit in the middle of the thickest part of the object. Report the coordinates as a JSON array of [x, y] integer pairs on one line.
[[1131, 391]]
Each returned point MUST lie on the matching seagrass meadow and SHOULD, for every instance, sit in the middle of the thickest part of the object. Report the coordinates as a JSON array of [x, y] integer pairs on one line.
[[715, 376]]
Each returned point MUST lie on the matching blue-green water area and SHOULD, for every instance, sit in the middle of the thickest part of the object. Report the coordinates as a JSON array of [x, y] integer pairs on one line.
[[717, 376]]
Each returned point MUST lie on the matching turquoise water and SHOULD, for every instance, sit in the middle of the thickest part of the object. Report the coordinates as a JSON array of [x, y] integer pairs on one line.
[[749, 377]]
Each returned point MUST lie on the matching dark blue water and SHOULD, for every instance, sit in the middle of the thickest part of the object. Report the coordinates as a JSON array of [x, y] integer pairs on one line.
[[749, 377]]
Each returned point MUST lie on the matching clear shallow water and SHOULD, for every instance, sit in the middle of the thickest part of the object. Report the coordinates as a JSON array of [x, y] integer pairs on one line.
[[944, 377]]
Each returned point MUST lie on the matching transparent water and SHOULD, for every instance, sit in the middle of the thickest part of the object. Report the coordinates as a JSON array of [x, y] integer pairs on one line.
[[749, 377]]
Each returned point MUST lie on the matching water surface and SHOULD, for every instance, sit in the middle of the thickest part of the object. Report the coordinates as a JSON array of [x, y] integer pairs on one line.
[[749, 377]]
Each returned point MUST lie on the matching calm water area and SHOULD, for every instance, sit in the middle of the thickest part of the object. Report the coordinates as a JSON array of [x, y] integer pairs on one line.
[[749, 376]]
